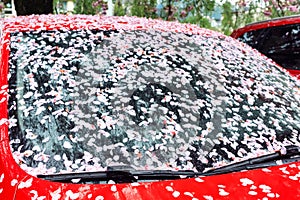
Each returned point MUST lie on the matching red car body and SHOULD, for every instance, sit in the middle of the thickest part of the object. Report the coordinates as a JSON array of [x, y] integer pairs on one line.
[[268, 24], [277, 182]]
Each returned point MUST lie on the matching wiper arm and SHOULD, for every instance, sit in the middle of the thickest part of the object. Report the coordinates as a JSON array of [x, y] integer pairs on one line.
[[291, 154]]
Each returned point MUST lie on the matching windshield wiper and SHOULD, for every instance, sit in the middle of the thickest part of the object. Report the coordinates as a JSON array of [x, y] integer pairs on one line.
[[120, 174], [127, 174], [290, 154]]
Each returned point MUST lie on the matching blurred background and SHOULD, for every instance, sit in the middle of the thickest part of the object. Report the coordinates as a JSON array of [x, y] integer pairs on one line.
[[220, 15]]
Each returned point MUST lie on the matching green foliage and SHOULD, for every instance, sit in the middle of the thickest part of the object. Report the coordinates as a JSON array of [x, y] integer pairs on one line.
[[280, 8], [119, 8], [144, 8], [199, 20], [236, 15], [228, 15], [245, 12], [55, 3], [188, 11], [85, 7]]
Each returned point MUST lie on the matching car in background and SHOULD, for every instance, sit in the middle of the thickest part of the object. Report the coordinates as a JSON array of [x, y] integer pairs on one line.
[[95, 107], [278, 38]]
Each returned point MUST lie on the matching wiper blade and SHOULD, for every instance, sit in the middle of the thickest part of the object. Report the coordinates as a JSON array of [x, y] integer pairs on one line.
[[120, 174], [290, 154]]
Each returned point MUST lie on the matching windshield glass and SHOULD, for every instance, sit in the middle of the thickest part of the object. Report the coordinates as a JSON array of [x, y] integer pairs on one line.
[[84, 100]]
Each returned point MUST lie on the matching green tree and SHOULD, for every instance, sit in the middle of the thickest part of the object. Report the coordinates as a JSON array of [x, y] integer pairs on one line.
[[90, 7], [144, 8], [238, 14], [119, 8], [227, 23], [280, 8], [189, 11], [85, 7], [244, 12]]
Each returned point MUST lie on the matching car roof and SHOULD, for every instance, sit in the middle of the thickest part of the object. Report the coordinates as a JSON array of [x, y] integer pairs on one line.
[[90, 22], [294, 19]]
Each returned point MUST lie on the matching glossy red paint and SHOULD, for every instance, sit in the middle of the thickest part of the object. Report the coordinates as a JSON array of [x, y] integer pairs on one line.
[[266, 24], [273, 183], [295, 73], [280, 182]]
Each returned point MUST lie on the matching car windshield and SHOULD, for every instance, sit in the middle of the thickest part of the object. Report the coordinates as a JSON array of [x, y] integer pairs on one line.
[[87, 99]]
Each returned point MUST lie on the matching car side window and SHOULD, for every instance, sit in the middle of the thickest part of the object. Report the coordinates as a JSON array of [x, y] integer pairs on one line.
[[282, 44], [253, 38]]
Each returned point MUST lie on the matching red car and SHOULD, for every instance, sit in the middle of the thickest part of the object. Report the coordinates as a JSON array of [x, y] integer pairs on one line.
[[278, 39], [95, 107]]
